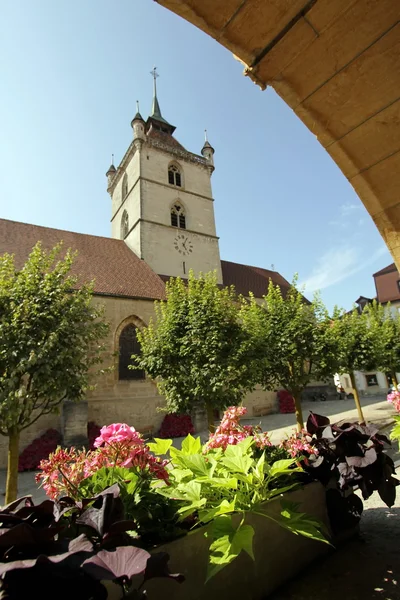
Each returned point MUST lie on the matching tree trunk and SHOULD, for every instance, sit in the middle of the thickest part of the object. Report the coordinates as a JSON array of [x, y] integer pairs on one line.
[[210, 418], [298, 409], [357, 398], [394, 378], [12, 466]]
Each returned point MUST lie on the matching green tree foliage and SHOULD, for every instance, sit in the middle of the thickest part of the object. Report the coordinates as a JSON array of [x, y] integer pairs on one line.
[[357, 346], [292, 346], [386, 332], [197, 347], [50, 337]]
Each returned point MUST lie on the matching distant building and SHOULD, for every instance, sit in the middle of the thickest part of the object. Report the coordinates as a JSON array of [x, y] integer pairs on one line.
[[387, 285]]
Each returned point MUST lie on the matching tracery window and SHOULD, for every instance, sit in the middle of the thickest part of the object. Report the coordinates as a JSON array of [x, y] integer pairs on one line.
[[128, 346], [174, 176], [178, 217]]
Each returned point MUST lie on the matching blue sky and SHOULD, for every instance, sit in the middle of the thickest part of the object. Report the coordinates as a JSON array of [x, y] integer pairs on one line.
[[71, 73]]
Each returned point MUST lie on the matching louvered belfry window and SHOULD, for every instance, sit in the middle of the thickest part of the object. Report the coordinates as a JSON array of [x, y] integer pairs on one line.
[[128, 345]]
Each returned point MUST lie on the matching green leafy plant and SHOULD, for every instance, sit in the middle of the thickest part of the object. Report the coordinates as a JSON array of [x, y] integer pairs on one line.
[[291, 344], [197, 347], [51, 336], [357, 346], [221, 487]]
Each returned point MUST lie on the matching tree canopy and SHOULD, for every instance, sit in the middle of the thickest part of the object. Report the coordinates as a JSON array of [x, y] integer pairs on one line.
[[197, 348], [292, 343], [50, 336]]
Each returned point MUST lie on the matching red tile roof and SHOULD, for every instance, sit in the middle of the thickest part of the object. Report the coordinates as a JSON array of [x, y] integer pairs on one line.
[[387, 269], [164, 138], [117, 270], [251, 279]]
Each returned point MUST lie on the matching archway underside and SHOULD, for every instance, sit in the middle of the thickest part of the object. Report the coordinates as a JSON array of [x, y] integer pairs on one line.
[[336, 63]]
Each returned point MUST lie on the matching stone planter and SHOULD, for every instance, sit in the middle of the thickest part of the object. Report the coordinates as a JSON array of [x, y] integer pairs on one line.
[[279, 555]]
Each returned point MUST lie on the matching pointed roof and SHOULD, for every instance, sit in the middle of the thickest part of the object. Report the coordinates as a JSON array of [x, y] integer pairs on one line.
[[138, 116], [206, 143], [156, 115], [111, 169]]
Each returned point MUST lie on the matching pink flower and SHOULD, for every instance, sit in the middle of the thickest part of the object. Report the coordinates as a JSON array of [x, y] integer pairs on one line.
[[298, 444], [117, 446], [119, 433], [394, 398], [231, 432]]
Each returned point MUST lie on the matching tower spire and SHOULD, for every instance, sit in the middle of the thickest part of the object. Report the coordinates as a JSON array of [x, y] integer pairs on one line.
[[155, 110]]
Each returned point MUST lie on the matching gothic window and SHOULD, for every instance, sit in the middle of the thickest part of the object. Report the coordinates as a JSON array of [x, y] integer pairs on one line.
[[125, 186], [178, 217], [124, 225], [128, 346], [174, 176]]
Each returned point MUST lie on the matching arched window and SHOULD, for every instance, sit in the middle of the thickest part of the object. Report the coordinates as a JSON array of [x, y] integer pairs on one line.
[[174, 176], [178, 217], [124, 225], [128, 346], [125, 186]]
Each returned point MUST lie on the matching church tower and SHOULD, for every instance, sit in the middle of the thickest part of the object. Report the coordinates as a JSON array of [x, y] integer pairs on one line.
[[162, 203]]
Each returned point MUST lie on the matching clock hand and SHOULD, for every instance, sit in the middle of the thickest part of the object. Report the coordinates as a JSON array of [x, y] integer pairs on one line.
[[184, 245]]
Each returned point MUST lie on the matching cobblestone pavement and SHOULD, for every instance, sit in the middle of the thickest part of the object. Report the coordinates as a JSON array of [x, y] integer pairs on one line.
[[367, 567]]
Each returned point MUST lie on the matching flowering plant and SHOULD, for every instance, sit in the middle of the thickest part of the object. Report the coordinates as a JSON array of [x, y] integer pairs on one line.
[[231, 432], [118, 445], [299, 444], [394, 398], [213, 482]]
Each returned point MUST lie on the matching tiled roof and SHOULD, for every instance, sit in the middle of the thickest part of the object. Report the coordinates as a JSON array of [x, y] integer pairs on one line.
[[251, 279], [117, 270], [248, 279], [387, 269], [164, 138]]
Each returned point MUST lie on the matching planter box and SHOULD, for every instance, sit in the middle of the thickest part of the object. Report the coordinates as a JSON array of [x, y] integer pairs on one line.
[[279, 555]]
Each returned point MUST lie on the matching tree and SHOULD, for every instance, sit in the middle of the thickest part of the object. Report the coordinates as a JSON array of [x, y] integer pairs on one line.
[[386, 331], [357, 346], [291, 342], [50, 336], [197, 347]]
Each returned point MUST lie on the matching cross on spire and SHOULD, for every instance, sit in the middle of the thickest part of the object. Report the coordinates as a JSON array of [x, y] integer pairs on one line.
[[154, 73], [156, 112]]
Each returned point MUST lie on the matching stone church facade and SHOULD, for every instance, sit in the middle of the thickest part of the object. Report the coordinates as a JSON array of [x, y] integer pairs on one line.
[[162, 225]]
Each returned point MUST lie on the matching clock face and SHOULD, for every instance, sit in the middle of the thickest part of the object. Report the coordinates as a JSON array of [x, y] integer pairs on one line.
[[183, 244]]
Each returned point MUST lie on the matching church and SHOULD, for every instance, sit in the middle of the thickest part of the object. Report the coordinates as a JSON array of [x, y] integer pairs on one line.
[[162, 225]]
